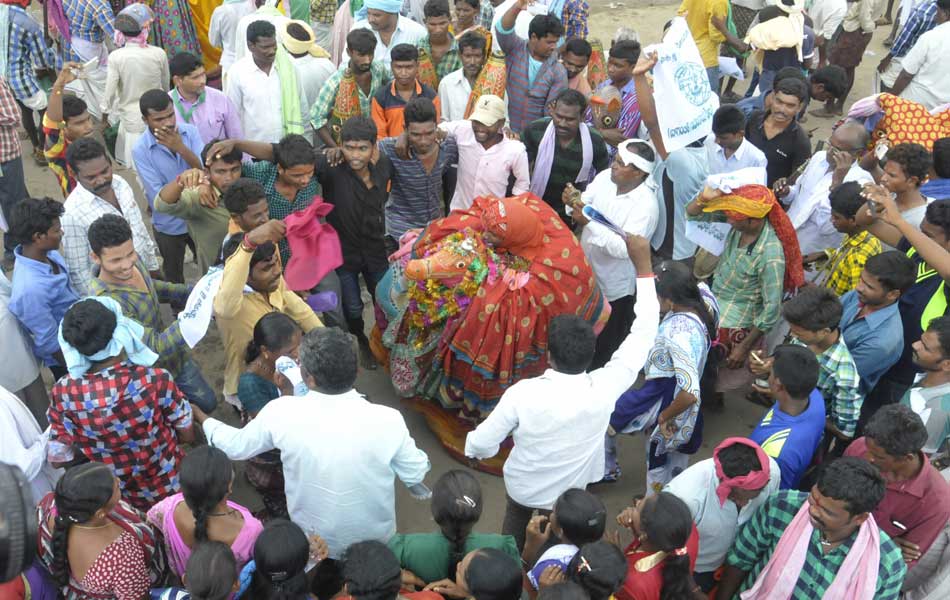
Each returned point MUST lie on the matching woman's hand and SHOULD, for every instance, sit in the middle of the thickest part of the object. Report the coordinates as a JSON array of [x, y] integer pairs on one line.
[[319, 549], [447, 588], [411, 581], [552, 575]]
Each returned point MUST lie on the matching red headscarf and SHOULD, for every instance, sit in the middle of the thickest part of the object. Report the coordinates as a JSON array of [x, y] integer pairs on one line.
[[20, 3], [756, 202], [753, 480], [517, 226]]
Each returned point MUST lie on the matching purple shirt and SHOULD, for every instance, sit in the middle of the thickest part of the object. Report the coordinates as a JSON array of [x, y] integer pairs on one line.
[[215, 116]]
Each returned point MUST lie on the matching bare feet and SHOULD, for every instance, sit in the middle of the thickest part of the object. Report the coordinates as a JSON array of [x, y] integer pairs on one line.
[[824, 113]]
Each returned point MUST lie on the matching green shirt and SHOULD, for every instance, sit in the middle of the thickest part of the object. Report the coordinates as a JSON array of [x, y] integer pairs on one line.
[[323, 105], [278, 207], [758, 537], [206, 226], [749, 281], [428, 554], [451, 60]]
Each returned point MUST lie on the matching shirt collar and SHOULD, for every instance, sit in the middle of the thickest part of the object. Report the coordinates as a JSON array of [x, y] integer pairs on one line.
[[392, 89], [878, 317], [919, 485], [35, 265], [84, 195]]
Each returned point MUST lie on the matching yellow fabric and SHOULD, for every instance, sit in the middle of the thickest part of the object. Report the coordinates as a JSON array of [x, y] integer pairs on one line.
[[699, 14], [201, 16], [780, 32]]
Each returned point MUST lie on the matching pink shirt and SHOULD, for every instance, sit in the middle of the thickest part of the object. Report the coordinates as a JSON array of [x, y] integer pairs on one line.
[[485, 172]]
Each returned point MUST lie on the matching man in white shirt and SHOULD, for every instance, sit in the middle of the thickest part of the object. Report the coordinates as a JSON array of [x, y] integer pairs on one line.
[[221, 31], [254, 86], [312, 62], [826, 16], [809, 207], [456, 87], [341, 453], [266, 11], [23, 445], [923, 77], [559, 419], [98, 192], [487, 157], [626, 195], [722, 493], [727, 150], [389, 27]]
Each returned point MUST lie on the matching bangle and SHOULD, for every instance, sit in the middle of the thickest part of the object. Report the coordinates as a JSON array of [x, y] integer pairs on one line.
[[649, 275], [247, 245]]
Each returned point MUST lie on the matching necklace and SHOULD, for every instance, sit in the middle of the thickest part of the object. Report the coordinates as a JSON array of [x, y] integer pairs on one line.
[[104, 525], [227, 513]]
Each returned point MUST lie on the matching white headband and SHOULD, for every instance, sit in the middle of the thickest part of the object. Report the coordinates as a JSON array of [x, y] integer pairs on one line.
[[628, 157]]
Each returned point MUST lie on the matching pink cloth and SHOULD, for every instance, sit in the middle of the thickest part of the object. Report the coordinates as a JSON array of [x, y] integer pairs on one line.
[[162, 516], [485, 172], [753, 480], [856, 578], [314, 246]]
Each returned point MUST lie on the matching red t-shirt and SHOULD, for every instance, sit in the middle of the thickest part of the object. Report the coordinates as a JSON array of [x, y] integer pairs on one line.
[[646, 582]]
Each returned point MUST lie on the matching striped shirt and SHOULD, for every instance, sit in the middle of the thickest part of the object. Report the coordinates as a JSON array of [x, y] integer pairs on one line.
[[921, 20], [323, 105], [840, 384], [451, 60], [388, 106], [629, 122], [416, 196], [574, 17], [757, 539], [9, 122], [528, 100], [27, 51], [89, 20]]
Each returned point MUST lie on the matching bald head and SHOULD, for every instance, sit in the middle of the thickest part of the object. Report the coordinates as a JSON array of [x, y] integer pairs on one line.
[[851, 135]]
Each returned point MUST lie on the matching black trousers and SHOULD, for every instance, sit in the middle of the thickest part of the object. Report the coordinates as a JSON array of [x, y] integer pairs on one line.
[[12, 192], [887, 391], [616, 330], [516, 520]]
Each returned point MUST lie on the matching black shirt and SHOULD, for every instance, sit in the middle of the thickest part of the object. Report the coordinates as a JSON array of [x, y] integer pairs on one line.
[[785, 152], [357, 213]]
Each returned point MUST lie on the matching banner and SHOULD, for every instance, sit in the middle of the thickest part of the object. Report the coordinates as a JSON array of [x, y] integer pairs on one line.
[[685, 102]]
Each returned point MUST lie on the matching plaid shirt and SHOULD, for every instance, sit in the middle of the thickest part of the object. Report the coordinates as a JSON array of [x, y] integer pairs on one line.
[[90, 20], [842, 271], [323, 105], [749, 281], [758, 537], [451, 60], [486, 14], [9, 121], [27, 51], [840, 384], [322, 11], [278, 207], [574, 18], [921, 20], [145, 307], [124, 416]]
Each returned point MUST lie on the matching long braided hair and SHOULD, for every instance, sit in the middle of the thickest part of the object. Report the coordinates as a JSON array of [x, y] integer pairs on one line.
[[205, 476], [80, 493], [456, 507]]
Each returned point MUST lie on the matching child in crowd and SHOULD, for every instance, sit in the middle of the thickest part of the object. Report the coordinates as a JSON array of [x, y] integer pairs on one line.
[[211, 574]]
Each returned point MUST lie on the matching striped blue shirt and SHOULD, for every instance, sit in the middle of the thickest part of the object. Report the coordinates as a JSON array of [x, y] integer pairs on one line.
[[921, 20], [90, 20], [27, 51]]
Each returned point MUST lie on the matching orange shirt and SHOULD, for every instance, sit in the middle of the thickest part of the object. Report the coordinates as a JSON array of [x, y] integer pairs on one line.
[[387, 107]]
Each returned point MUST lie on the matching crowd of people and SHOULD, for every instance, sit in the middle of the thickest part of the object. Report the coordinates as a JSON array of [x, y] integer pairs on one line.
[[545, 269]]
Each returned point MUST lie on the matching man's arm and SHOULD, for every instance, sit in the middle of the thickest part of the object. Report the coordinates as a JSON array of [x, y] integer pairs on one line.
[[410, 464], [647, 105], [259, 150], [911, 63], [485, 441], [930, 251], [239, 444], [76, 254], [300, 311], [322, 107], [522, 176], [230, 296], [233, 129], [33, 312], [505, 28]]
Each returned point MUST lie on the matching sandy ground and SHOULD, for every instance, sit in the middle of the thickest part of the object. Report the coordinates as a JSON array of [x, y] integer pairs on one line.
[[738, 418]]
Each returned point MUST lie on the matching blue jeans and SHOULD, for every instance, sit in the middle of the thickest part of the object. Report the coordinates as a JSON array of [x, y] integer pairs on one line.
[[352, 297], [713, 74], [193, 385]]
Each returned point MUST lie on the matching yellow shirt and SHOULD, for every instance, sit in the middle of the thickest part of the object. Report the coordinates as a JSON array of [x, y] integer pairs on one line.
[[237, 313], [699, 14]]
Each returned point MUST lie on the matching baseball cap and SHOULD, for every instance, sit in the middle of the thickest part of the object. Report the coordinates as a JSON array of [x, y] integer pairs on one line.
[[488, 110]]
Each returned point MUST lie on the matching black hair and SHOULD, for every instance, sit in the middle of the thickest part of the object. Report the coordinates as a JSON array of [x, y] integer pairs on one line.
[[566, 590], [846, 199], [788, 72], [578, 47], [281, 553], [833, 78], [897, 429], [359, 129], [293, 150], [234, 156], [205, 474], [628, 50], [263, 252], [436, 8], [738, 460], [796, 367], [260, 29], [88, 326], [154, 101], [84, 150], [581, 516], [813, 308], [73, 106], [472, 39], [571, 97], [273, 331], [242, 193], [184, 64], [644, 151], [941, 158], [419, 110], [371, 571], [667, 522], [127, 25], [404, 53], [296, 31], [362, 41], [571, 342], [675, 282], [456, 506], [937, 214], [211, 571], [33, 216], [476, 4], [80, 492], [542, 26], [108, 231], [941, 327], [598, 567], [854, 481], [493, 575], [914, 160], [327, 355], [893, 269], [727, 119], [792, 87], [944, 5]]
